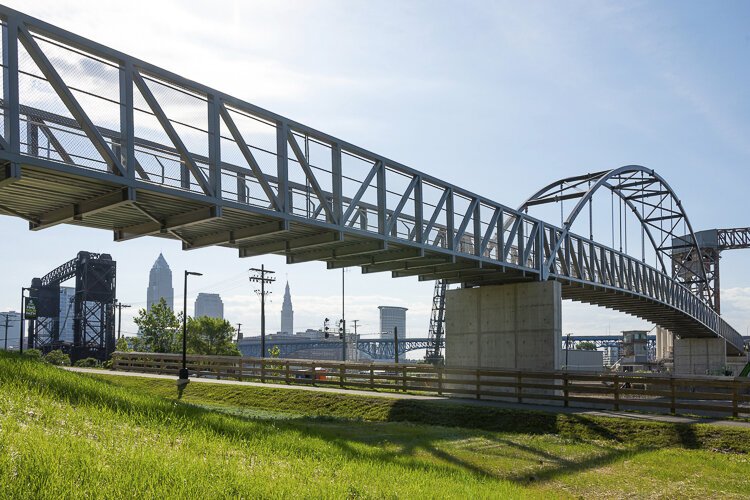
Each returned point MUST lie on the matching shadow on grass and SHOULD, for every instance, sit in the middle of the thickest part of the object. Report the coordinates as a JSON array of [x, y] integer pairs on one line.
[[417, 448]]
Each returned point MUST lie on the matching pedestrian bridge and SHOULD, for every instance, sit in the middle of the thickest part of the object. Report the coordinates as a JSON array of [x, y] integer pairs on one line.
[[96, 138]]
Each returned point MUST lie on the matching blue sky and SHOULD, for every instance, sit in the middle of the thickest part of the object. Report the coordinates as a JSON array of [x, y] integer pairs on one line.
[[499, 97]]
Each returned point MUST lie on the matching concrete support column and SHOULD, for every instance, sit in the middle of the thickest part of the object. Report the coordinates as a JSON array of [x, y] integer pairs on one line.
[[517, 326], [701, 356], [664, 344]]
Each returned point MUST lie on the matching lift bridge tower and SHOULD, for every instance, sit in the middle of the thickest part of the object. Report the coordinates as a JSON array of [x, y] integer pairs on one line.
[[94, 302]]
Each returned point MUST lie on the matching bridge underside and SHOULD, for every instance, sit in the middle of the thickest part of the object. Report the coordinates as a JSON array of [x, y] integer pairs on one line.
[[50, 193]]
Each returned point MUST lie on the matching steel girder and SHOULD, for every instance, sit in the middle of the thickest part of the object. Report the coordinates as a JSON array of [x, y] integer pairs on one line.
[[167, 156]]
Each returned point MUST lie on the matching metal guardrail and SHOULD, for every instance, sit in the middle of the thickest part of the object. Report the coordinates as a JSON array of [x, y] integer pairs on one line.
[[639, 391]]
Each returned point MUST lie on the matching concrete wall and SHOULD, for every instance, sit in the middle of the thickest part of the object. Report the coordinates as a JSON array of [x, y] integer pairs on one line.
[[704, 356], [516, 326], [664, 343]]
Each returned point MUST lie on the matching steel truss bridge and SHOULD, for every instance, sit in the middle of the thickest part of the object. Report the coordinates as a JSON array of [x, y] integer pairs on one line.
[[374, 348], [95, 137]]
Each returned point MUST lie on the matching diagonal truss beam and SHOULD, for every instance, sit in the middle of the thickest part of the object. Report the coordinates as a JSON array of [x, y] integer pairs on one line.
[[249, 157], [172, 134], [394, 215], [311, 177], [62, 90], [377, 166]]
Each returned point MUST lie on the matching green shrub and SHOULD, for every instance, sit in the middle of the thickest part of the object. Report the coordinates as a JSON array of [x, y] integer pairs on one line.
[[87, 363], [57, 358], [107, 364], [35, 354]]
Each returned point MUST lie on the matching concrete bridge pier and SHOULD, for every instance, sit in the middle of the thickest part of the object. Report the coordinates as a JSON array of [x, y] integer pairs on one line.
[[700, 356], [706, 356], [515, 327]]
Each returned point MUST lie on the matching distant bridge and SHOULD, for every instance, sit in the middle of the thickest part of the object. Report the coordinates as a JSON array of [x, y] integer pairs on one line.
[[374, 348], [97, 138]]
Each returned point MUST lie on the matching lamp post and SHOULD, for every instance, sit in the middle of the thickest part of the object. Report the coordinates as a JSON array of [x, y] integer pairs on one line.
[[184, 370]]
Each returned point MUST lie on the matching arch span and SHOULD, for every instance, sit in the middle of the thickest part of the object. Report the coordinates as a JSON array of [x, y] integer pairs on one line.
[[655, 205]]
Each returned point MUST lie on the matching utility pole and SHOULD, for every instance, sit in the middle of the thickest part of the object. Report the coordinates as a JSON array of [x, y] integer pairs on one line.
[[343, 317], [260, 277], [120, 305], [356, 341], [7, 320], [395, 343], [239, 332]]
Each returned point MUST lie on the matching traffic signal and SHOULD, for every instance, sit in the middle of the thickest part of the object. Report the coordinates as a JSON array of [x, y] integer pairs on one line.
[[325, 327]]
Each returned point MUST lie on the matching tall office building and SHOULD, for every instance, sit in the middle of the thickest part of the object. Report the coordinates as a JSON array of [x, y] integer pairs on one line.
[[390, 318], [160, 284], [209, 304], [287, 313]]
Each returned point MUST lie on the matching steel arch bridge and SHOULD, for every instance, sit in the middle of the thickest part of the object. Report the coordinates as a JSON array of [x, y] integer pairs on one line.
[[94, 137]]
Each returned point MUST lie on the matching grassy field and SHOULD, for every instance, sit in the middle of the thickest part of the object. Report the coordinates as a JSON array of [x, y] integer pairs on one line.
[[67, 435]]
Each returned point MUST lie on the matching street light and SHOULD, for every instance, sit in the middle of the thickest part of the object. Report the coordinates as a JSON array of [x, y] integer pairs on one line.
[[183, 370]]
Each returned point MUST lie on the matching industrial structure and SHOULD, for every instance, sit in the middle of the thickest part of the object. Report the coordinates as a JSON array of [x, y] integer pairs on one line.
[[436, 331], [93, 308], [310, 196], [712, 242]]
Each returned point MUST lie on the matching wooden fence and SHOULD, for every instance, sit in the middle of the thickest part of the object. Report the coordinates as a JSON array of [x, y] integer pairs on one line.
[[619, 391]]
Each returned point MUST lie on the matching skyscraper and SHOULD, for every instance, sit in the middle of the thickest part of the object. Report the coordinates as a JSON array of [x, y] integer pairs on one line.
[[287, 313], [160, 284], [392, 317], [209, 304]]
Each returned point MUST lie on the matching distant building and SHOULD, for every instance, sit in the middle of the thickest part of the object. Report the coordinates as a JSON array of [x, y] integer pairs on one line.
[[9, 327], [392, 317], [209, 304], [287, 313], [67, 312], [160, 284], [611, 355]]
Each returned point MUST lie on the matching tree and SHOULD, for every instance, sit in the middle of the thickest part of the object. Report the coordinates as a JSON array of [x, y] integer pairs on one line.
[[586, 345], [57, 358], [122, 345], [160, 328], [211, 336]]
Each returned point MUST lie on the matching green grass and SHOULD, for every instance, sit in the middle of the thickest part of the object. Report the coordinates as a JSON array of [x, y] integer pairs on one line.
[[67, 435]]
